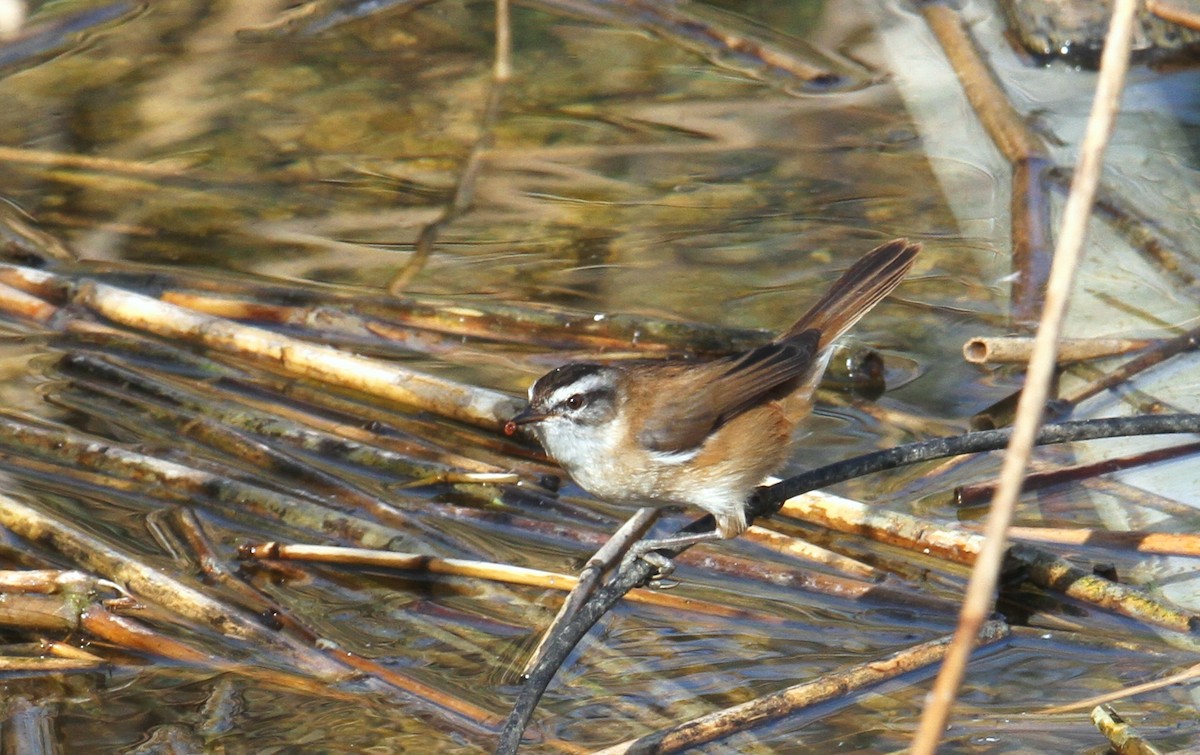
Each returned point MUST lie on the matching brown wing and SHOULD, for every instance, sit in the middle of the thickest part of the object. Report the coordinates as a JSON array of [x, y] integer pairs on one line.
[[677, 422]]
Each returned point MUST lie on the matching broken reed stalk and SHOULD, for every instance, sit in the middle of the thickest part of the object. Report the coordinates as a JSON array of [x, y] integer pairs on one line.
[[1021, 147], [1017, 349], [981, 586], [834, 685], [469, 404], [1123, 738]]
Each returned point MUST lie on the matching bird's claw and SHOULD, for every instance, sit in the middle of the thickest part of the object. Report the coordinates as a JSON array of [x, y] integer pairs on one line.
[[663, 566]]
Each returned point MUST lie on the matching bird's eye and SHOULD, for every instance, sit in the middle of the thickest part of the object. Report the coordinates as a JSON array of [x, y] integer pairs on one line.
[[575, 401]]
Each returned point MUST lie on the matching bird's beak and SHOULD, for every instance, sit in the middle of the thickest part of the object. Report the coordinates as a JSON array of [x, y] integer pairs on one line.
[[528, 416]]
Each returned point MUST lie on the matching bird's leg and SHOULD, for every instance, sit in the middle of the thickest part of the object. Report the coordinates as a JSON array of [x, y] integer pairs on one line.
[[648, 550], [729, 524]]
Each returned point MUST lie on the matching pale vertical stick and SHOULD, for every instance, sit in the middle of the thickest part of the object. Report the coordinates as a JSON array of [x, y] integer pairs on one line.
[[979, 598], [503, 68]]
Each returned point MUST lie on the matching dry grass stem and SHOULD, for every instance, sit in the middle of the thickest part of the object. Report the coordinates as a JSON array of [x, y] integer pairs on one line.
[[494, 572], [1187, 675], [979, 597], [21, 666], [831, 686]]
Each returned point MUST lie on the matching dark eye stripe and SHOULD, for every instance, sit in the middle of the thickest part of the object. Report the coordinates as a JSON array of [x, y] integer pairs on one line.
[[588, 398], [566, 375]]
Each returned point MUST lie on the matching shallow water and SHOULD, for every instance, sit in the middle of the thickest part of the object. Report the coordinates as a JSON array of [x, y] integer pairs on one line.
[[626, 174]]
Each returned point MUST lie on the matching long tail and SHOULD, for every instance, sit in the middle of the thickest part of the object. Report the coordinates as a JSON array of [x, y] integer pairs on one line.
[[859, 289]]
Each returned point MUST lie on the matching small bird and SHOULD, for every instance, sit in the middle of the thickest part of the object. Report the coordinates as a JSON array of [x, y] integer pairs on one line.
[[669, 432]]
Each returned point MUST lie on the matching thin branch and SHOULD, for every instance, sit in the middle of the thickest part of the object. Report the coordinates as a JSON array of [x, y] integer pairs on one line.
[[464, 191], [589, 577], [972, 495], [769, 499], [831, 686], [1189, 674], [1152, 357]]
